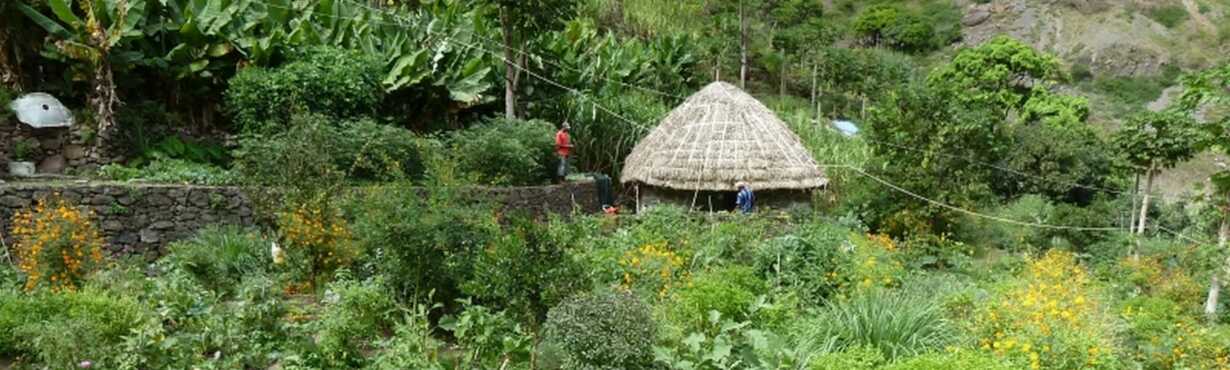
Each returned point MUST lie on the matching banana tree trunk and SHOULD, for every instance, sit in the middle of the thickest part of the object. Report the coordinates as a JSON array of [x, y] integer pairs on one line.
[[104, 101], [1144, 202]]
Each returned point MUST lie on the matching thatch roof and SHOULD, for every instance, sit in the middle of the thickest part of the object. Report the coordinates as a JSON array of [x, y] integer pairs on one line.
[[720, 136]]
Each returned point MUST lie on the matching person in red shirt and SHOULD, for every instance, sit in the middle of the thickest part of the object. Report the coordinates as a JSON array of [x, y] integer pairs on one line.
[[563, 147]]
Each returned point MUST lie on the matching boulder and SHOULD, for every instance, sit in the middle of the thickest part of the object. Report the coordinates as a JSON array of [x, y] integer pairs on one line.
[[53, 164], [74, 152]]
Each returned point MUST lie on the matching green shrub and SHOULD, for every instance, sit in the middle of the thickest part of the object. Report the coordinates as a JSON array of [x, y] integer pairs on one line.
[[1010, 237], [603, 330], [805, 262], [1168, 15], [354, 312], [321, 80], [730, 291], [192, 327], [423, 243], [895, 323], [524, 272], [172, 171], [960, 359], [853, 358], [219, 257], [61, 330], [908, 29], [411, 346], [371, 151], [487, 338], [504, 152], [317, 152]]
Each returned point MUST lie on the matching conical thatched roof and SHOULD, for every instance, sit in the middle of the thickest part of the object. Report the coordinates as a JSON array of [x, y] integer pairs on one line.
[[720, 136]]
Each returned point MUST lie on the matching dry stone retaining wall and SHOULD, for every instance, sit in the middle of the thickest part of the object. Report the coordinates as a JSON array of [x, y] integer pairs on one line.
[[140, 219], [137, 219]]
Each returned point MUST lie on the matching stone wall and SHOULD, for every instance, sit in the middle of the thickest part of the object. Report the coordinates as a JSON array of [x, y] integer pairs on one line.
[[59, 150], [137, 219], [143, 218]]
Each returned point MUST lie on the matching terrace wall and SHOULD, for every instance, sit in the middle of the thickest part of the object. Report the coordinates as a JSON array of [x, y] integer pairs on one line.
[[141, 219]]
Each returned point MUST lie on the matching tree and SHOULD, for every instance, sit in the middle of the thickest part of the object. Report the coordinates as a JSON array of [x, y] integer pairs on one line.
[[935, 137], [1153, 141], [108, 25], [1211, 88], [519, 21], [797, 29]]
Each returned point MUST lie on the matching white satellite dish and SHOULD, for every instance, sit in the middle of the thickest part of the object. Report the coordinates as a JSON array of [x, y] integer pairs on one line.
[[41, 110]]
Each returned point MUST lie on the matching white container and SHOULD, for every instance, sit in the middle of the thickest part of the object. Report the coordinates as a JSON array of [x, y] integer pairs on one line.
[[21, 169]]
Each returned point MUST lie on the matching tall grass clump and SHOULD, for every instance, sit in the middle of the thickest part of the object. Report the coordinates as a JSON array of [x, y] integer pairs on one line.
[[218, 257], [896, 323]]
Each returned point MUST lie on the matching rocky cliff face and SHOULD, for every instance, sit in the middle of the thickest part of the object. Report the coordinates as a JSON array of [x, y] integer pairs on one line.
[[1111, 37]]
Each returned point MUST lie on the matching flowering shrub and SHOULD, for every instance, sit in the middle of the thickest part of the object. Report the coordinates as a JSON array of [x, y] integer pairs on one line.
[[1049, 318], [1147, 274], [317, 240], [1164, 338], [652, 268], [874, 262], [57, 244]]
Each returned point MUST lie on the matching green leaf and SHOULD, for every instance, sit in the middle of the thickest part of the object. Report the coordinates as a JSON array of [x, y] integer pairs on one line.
[[694, 341], [199, 65], [219, 50], [64, 11], [47, 23]]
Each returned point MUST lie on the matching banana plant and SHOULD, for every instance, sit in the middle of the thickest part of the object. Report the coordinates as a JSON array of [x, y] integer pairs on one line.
[[93, 38]]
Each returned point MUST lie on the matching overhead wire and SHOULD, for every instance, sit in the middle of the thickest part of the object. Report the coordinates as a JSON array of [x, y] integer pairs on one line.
[[857, 170]]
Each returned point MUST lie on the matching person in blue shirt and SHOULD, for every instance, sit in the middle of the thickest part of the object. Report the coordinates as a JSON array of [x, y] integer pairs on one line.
[[746, 200]]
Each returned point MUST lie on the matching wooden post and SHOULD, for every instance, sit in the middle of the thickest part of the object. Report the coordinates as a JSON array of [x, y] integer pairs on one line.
[[742, 47], [1144, 207]]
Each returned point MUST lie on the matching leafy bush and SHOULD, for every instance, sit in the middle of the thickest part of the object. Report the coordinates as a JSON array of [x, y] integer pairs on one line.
[[166, 170], [411, 346], [960, 359], [504, 152], [218, 257], [321, 80], [353, 313], [192, 327], [853, 358], [525, 273], [895, 323], [907, 29], [1009, 237], [1164, 337], [423, 242], [1168, 15], [57, 244], [62, 330], [488, 337], [730, 291], [316, 154], [603, 330]]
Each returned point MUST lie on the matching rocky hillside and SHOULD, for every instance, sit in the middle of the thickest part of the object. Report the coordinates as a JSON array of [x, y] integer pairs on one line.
[[1110, 37], [1124, 54]]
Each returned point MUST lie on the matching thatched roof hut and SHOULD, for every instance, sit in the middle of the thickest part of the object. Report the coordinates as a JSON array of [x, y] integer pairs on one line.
[[718, 137]]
